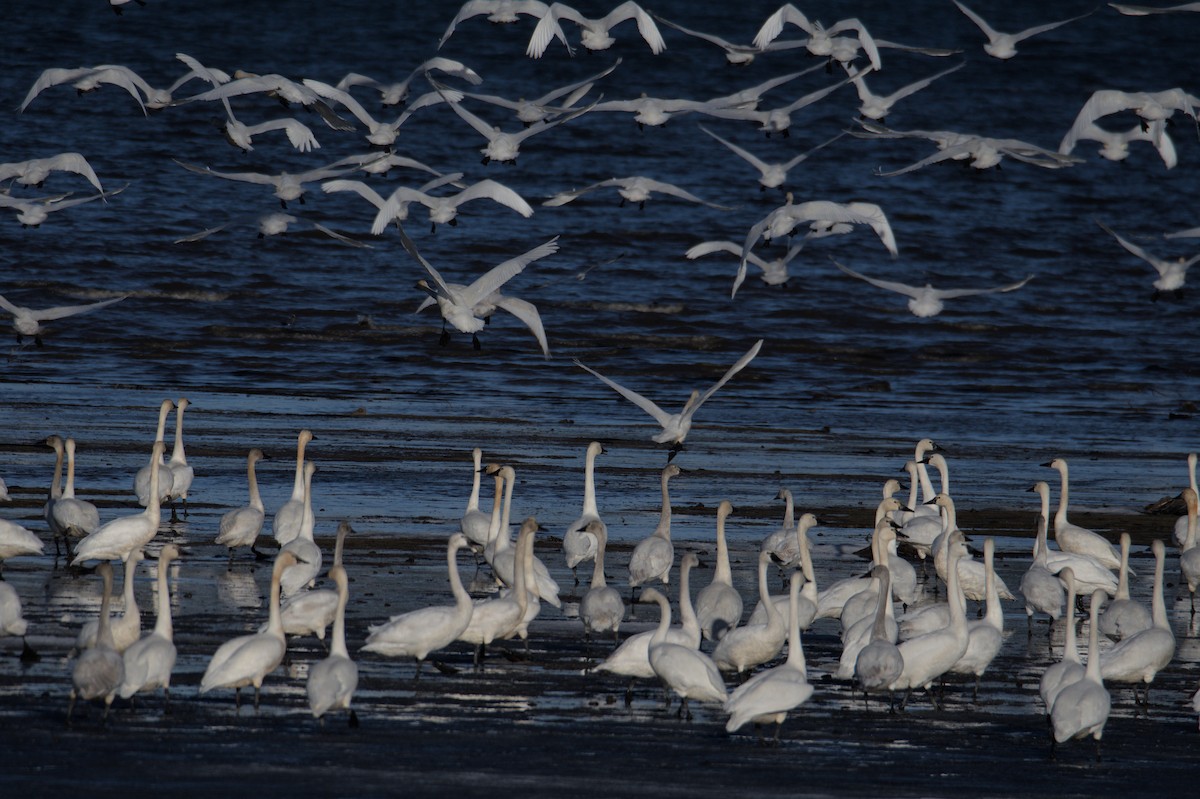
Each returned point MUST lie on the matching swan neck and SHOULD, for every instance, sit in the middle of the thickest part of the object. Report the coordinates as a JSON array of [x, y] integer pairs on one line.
[[927, 492], [1093, 664], [994, 614], [1158, 609], [913, 486], [339, 545], [1070, 646], [252, 479], [598, 564], [1060, 517], [664, 621], [473, 501], [462, 599], [163, 411], [162, 624], [308, 520], [1123, 571], [664, 516], [502, 539], [69, 489], [589, 486], [789, 510], [56, 485], [795, 657], [764, 593], [687, 614], [338, 647], [958, 602], [177, 453], [494, 527], [154, 504], [298, 482], [879, 629], [104, 625], [274, 622]]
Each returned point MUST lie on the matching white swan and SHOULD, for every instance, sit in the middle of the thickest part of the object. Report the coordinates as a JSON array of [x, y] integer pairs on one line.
[[771, 175], [399, 209], [311, 612], [240, 527], [32, 213], [475, 524], [16, 541], [1181, 523], [286, 186], [821, 41], [467, 308], [500, 617], [675, 426], [498, 12], [594, 34], [808, 593], [1114, 145], [1171, 273], [750, 645], [380, 133], [182, 472], [784, 536], [54, 493], [28, 321], [1069, 668], [99, 671], [116, 538], [150, 659], [971, 573], [778, 119], [332, 681], [770, 695], [125, 628], [735, 54], [274, 85], [878, 106], [88, 79], [248, 659], [986, 635], [444, 210], [1189, 556], [926, 301], [879, 663], [1081, 708], [1153, 108], [633, 189], [241, 135], [289, 517], [688, 672], [601, 609], [1141, 11], [304, 572], [719, 605], [13, 623], [1041, 588], [35, 171], [1124, 616], [417, 633], [540, 108], [1073, 538], [1139, 657], [501, 554], [1004, 45], [653, 555], [774, 271], [397, 92], [578, 544], [73, 517], [166, 478], [503, 146]]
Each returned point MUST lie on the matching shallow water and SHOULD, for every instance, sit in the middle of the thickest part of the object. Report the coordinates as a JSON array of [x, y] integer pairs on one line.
[[266, 337]]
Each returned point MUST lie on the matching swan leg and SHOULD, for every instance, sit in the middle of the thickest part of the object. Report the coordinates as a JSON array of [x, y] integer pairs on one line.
[[352, 722], [70, 706], [629, 694], [479, 655], [28, 655], [417, 675], [256, 697], [237, 700], [475, 341], [166, 699]]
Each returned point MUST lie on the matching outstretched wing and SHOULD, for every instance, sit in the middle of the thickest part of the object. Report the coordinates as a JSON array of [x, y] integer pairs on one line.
[[497, 276], [660, 416], [949, 294], [439, 285], [527, 313], [47, 314], [890, 285]]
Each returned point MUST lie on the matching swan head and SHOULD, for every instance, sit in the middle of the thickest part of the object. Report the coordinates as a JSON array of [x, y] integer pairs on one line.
[[942, 501], [596, 448], [652, 595], [310, 469], [807, 521], [671, 470], [168, 553], [257, 455], [783, 494], [305, 437], [457, 541], [724, 509], [1057, 463], [689, 561], [891, 486], [182, 404], [55, 441]]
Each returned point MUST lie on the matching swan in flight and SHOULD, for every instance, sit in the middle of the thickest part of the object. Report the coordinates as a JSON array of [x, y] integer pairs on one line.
[[821, 41], [1142, 11], [387, 210], [444, 210], [32, 212], [774, 271], [771, 175], [381, 134], [877, 106], [273, 223], [28, 321], [1151, 107], [594, 34], [736, 54], [498, 12], [926, 301], [542, 108], [1171, 273], [88, 79], [35, 171], [635, 189], [468, 307], [287, 186], [981, 152], [284, 89], [1004, 45], [1114, 145], [675, 426], [241, 135], [779, 120], [396, 93], [502, 146]]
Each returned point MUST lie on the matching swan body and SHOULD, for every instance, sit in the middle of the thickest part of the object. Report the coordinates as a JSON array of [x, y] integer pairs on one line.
[[127, 627], [444, 210], [182, 472], [332, 681], [688, 672], [1138, 658], [601, 609], [594, 34], [1189, 556], [150, 659], [289, 517], [859, 635], [1041, 588], [879, 663], [926, 301], [1081, 708], [503, 146], [772, 175], [240, 527], [115, 539], [719, 605], [751, 645], [248, 659], [784, 543], [32, 213], [1004, 45], [475, 524], [312, 612], [286, 90], [778, 119], [501, 554], [100, 670], [304, 571], [286, 186], [1073, 538], [579, 545], [500, 617], [877, 106], [986, 635], [28, 321], [88, 79], [634, 189], [774, 271], [497, 11], [1114, 144], [166, 477], [653, 556], [35, 171], [74, 517], [16, 540], [1069, 668], [539, 109], [807, 603], [1181, 523], [1123, 616], [397, 92], [821, 40], [1171, 273], [11, 620]]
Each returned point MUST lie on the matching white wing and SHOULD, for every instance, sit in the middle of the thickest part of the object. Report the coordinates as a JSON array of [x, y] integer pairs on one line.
[[527, 313], [661, 416], [48, 314], [733, 370], [497, 276]]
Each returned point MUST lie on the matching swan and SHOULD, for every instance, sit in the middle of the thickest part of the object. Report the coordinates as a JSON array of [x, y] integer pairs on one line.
[[735, 54], [918, 474], [859, 605], [12, 623], [771, 175], [1141, 11], [396, 93], [784, 536], [4, 497], [971, 573], [1181, 523], [1114, 145], [286, 186], [578, 544], [308, 554], [594, 34], [241, 135], [985, 635], [878, 106], [1073, 538], [1151, 107], [1081, 708], [99, 671], [88, 79], [903, 576], [125, 628], [821, 40], [500, 617], [332, 681], [981, 152], [417, 633], [274, 223], [675, 426], [808, 593], [150, 659], [1123, 616], [1004, 45], [1189, 556], [311, 612], [444, 210], [501, 554], [381, 134], [1089, 573], [688, 672], [398, 210], [28, 321], [32, 213], [468, 308], [73, 517], [601, 609], [770, 695], [774, 271], [632, 658], [1171, 273], [274, 85], [860, 633], [927, 657], [289, 517], [502, 146], [779, 119], [745, 647], [247, 659], [497, 11], [927, 301], [166, 477], [633, 189], [879, 663], [16, 541], [475, 524], [54, 493], [35, 171], [1137, 658], [530, 112], [240, 527], [1041, 588], [719, 605], [116, 538], [653, 555], [181, 471], [1069, 669]]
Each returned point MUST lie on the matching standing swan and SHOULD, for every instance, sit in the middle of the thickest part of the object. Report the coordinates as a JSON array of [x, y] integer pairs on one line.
[[601, 608], [417, 633], [1082, 708], [311, 612], [879, 663], [141, 482], [1139, 657], [1124, 616], [653, 556], [247, 659], [290, 515], [115, 540], [150, 659], [475, 524], [987, 634], [1076, 539], [1181, 523], [1042, 590], [578, 544], [502, 555], [74, 517], [181, 471], [808, 592], [240, 527], [331, 682], [308, 554], [128, 626], [745, 647], [770, 695], [500, 617], [688, 672], [55, 491], [1189, 556], [1058, 676], [719, 605], [99, 671]]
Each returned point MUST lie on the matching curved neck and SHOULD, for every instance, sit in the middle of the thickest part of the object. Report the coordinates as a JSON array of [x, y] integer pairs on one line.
[[56, 485], [298, 482], [943, 474], [274, 622], [1093, 664], [1060, 517], [913, 483], [764, 593], [252, 480], [958, 609], [1044, 493], [502, 540], [462, 600], [177, 453], [339, 544], [163, 411], [1123, 572], [664, 620], [497, 506], [927, 492], [308, 521], [1070, 647], [810, 578], [473, 502], [69, 489], [995, 613], [1192, 473], [664, 516], [789, 509], [338, 647], [153, 505], [162, 624], [589, 485], [104, 625]]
